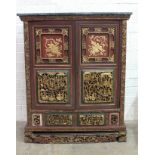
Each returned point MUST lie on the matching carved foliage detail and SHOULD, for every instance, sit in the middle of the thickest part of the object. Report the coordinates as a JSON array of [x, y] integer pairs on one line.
[[53, 86], [58, 119], [97, 86], [91, 119], [98, 44]]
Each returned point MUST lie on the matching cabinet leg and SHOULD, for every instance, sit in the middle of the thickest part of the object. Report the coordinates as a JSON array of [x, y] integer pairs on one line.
[[28, 137], [122, 136]]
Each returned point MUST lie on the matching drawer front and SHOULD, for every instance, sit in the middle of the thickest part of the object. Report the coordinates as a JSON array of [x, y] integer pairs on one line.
[[91, 119], [58, 119], [101, 119]]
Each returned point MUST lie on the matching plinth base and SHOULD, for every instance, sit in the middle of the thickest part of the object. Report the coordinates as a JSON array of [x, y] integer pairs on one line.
[[60, 138]]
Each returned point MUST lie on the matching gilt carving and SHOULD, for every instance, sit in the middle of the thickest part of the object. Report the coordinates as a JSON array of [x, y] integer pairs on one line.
[[91, 119], [97, 86], [114, 119], [98, 44], [58, 119], [37, 119], [53, 86], [52, 45], [71, 138]]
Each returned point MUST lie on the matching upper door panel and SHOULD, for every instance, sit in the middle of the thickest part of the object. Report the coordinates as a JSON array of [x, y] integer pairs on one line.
[[98, 42], [52, 43]]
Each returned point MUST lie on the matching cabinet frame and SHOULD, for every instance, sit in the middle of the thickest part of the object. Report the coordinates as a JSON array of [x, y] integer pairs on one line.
[[109, 132]]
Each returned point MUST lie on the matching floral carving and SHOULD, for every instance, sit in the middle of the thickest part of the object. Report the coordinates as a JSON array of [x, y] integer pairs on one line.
[[52, 45], [98, 44]]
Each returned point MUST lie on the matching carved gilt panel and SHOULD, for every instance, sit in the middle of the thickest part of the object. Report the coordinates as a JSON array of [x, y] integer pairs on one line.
[[114, 118], [98, 44], [94, 119], [52, 45], [53, 86], [36, 119], [97, 86], [57, 119]]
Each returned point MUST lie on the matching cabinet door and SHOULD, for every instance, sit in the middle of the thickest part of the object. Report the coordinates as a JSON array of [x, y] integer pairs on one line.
[[52, 62], [97, 65]]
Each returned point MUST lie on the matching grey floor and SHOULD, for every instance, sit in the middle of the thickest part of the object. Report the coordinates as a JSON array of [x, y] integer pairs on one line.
[[114, 148]]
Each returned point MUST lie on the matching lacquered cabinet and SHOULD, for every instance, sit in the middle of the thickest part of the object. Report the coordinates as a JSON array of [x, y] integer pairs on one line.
[[75, 77]]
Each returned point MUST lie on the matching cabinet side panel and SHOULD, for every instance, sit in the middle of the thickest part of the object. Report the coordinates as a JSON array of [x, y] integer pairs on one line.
[[27, 70], [123, 67]]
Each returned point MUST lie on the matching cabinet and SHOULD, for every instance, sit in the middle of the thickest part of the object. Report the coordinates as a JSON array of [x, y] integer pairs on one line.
[[75, 77]]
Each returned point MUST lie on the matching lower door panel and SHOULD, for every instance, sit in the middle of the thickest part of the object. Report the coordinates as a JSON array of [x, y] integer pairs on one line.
[[53, 89]]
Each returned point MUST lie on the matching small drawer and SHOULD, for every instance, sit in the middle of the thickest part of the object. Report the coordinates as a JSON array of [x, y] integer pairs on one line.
[[91, 119], [58, 119]]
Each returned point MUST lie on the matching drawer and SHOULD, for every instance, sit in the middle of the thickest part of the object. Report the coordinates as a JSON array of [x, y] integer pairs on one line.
[[98, 119]]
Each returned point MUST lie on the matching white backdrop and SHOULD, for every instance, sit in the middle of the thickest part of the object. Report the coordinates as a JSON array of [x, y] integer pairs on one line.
[[46, 6]]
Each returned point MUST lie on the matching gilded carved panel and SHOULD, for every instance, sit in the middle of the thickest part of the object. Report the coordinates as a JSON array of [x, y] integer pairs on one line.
[[36, 119], [57, 119], [94, 119], [97, 86], [52, 45], [98, 44], [53, 86], [114, 119]]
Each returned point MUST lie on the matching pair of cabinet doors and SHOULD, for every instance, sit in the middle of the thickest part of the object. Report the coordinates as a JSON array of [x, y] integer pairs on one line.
[[75, 73]]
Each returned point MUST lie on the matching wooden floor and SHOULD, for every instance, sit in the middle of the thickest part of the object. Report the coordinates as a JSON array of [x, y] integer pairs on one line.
[[125, 148]]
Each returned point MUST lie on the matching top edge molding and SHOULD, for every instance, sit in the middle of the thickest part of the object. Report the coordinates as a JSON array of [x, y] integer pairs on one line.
[[74, 16]]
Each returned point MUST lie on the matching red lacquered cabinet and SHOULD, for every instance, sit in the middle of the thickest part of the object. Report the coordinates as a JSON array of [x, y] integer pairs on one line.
[[75, 77]]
